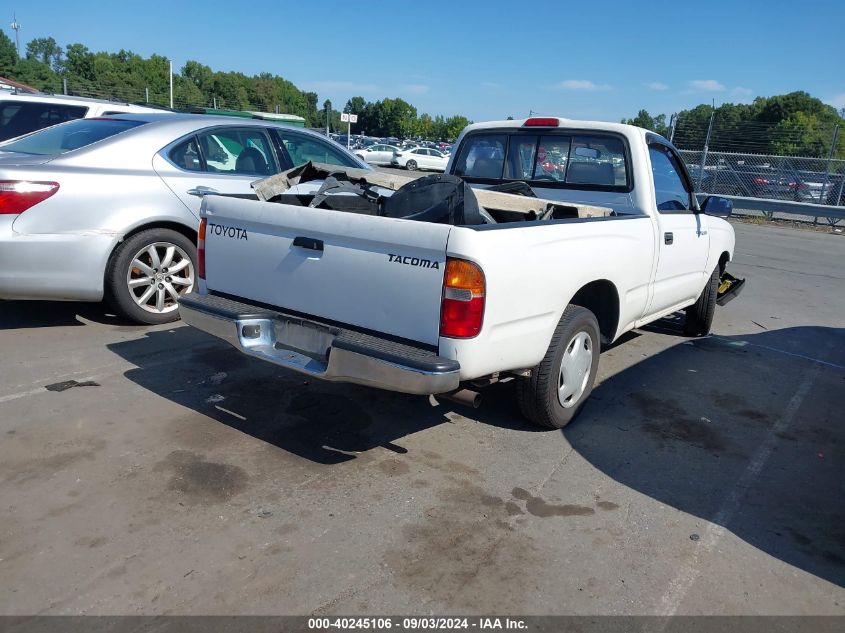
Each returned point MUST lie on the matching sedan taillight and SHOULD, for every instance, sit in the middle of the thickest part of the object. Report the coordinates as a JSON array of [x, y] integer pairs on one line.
[[16, 196]]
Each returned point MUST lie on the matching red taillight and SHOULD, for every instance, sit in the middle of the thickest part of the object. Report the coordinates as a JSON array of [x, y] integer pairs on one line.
[[462, 309], [201, 249], [16, 196], [541, 122], [761, 181]]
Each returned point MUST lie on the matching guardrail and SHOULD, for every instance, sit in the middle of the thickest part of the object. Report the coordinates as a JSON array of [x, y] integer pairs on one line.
[[768, 207]]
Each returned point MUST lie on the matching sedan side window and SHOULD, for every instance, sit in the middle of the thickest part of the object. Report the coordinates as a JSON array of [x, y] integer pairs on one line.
[[303, 148], [238, 150], [186, 155], [670, 190]]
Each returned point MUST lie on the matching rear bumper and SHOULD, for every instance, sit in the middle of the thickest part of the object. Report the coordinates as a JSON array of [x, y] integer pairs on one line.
[[64, 266], [319, 350]]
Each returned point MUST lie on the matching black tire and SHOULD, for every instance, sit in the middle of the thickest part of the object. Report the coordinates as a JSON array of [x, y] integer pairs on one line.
[[538, 394], [700, 314], [117, 291], [411, 165]]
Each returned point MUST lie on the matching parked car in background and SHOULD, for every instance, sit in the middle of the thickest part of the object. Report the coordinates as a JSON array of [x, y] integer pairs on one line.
[[109, 207], [377, 154], [745, 180], [817, 187], [420, 158], [24, 113]]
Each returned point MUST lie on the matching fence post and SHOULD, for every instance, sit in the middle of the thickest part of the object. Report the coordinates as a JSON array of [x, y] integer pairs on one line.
[[706, 148], [829, 158], [841, 186]]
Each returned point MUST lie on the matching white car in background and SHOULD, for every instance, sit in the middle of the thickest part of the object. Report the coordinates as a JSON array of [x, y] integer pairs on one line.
[[24, 113], [378, 154], [420, 158]]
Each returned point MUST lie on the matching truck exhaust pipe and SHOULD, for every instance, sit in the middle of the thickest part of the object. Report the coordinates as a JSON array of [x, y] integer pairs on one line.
[[466, 397]]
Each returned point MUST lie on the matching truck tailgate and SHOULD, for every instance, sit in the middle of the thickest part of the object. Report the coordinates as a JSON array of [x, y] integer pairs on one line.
[[377, 273]]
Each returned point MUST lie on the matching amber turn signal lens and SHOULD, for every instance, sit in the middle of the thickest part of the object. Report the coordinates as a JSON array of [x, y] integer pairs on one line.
[[464, 275]]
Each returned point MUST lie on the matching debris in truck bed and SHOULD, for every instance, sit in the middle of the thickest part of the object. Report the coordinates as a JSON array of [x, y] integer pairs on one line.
[[503, 206]]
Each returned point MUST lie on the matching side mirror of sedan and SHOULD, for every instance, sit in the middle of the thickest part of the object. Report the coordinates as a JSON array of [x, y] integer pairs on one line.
[[716, 205]]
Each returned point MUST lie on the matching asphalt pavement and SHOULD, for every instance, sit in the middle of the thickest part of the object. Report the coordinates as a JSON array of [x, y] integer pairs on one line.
[[177, 476]]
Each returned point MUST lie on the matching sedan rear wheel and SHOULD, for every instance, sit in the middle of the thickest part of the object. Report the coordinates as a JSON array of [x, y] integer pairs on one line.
[[148, 273], [411, 165]]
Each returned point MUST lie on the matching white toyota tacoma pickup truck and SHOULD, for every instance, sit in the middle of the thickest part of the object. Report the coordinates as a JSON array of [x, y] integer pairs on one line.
[[614, 239]]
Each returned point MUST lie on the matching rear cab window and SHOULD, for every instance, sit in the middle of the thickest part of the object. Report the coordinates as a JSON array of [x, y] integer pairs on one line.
[[21, 117], [561, 158], [61, 139]]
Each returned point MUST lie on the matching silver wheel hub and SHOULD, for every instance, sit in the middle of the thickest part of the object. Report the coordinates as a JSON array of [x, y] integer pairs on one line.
[[575, 369], [158, 275]]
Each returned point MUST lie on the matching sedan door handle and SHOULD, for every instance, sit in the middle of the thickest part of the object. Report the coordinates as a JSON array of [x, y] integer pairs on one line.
[[200, 191], [668, 238]]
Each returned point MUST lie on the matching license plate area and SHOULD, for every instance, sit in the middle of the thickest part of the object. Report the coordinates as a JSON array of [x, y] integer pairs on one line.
[[305, 337]]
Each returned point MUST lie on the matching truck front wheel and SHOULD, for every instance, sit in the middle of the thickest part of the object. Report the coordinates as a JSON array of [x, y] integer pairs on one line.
[[558, 387], [699, 316]]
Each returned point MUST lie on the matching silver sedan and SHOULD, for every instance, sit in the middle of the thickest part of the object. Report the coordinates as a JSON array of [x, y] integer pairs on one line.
[[109, 207]]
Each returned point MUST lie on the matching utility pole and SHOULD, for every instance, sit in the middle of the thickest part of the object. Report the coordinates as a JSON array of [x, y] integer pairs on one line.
[[673, 121], [16, 27], [171, 85]]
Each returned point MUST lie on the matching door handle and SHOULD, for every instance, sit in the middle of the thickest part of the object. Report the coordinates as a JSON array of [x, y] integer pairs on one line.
[[201, 191], [668, 238], [308, 242]]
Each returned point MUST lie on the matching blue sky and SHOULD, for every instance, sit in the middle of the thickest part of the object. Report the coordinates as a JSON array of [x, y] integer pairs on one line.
[[485, 59]]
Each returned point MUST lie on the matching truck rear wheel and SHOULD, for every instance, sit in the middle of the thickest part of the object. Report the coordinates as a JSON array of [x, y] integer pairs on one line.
[[558, 387], [700, 314]]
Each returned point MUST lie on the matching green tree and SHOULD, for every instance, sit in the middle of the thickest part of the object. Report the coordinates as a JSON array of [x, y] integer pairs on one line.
[[654, 123], [454, 126], [8, 55], [33, 73], [78, 63], [355, 105], [45, 50]]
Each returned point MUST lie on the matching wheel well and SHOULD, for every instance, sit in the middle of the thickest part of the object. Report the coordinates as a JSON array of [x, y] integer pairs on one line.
[[601, 298], [191, 234], [723, 262], [175, 226]]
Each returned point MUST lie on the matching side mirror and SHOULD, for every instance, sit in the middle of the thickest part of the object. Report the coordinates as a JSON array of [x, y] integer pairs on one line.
[[716, 205]]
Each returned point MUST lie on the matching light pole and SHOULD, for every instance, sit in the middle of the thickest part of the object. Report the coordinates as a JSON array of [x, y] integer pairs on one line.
[[16, 27]]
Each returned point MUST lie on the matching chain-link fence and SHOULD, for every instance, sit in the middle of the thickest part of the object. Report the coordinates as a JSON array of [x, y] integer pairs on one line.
[[774, 161], [797, 179]]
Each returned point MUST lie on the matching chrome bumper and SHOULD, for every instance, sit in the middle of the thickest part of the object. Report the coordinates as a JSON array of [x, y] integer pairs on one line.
[[319, 350]]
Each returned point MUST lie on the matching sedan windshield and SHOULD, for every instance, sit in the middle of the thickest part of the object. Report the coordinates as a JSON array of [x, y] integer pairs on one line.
[[60, 139]]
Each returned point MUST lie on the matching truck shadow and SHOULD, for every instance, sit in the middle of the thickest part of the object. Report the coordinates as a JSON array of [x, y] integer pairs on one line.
[[327, 423], [745, 432]]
